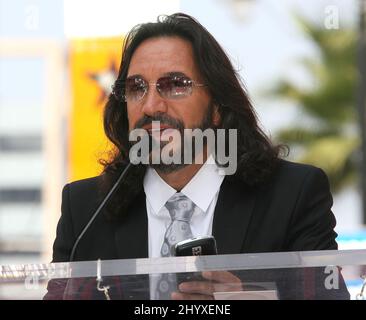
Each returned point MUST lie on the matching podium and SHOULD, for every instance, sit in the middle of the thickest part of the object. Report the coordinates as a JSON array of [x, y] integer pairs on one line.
[[270, 276]]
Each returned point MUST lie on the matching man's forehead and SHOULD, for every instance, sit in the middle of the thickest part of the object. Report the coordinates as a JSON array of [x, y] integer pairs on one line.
[[163, 55]]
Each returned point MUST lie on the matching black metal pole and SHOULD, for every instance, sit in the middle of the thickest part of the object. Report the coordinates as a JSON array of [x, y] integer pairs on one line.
[[362, 101]]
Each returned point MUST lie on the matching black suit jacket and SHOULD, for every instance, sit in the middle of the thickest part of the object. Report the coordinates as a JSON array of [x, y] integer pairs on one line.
[[292, 212]]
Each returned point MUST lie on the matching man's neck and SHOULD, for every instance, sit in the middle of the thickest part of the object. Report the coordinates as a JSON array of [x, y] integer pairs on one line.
[[178, 179]]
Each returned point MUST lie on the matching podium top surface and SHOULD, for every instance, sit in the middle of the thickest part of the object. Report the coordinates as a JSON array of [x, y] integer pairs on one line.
[[292, 271]]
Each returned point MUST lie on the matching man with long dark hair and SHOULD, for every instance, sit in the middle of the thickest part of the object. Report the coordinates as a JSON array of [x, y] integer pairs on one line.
[[173, 72]]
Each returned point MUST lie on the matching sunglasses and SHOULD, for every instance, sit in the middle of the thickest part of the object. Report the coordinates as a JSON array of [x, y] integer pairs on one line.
[[169, 87]]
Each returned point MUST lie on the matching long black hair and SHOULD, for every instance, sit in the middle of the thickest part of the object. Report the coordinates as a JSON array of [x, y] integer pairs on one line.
[[257, 156]]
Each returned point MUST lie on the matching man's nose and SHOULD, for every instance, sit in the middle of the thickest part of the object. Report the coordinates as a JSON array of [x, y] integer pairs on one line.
[[153, 102]]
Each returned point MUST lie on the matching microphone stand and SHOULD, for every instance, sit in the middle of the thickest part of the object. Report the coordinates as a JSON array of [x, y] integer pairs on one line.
[[104, 289], [101, 206]]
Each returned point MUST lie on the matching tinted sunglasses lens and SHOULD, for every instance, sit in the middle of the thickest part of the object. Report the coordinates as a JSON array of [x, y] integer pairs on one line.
[[135, 89], [174, 87]]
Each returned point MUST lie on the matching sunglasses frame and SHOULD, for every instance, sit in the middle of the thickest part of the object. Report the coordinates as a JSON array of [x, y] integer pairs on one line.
[[147, 85]]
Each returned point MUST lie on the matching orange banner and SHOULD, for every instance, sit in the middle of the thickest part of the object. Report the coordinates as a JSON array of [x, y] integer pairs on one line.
[[94, 66]]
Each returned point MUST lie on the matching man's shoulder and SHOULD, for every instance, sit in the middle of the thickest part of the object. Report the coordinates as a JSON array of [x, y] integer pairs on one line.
[[297, 170], [81, 198], [289, 176], [89, 184], [83, 191], [295, 175]]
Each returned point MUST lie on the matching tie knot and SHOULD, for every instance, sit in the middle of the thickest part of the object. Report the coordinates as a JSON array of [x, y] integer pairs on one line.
[[180, 207]]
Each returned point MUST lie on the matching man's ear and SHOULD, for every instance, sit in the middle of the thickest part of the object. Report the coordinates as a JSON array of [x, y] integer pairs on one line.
[[216, 117]]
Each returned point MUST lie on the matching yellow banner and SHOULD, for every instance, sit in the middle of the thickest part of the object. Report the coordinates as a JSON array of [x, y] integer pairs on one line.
[[93, 68]]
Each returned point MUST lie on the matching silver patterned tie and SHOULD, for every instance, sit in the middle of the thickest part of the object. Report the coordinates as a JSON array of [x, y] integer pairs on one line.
[[181, 210]]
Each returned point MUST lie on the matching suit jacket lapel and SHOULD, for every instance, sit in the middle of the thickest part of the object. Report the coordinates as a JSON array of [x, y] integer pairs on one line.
[[232, 216], [131, 233]]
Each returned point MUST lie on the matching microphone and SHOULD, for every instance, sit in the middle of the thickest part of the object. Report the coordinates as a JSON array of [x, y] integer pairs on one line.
[[103, 203]]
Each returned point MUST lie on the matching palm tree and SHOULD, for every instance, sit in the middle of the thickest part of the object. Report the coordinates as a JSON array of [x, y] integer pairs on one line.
[[331, 140]]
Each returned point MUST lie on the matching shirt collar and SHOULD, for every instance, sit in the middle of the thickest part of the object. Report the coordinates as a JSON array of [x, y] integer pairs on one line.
[[157, 191], [204, 185], [201, 189]]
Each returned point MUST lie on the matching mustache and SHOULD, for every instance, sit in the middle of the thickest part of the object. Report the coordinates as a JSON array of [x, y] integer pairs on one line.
[[164, 120]]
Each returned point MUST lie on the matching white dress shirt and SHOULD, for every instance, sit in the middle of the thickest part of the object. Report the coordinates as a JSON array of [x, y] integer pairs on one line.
[[202, 190]]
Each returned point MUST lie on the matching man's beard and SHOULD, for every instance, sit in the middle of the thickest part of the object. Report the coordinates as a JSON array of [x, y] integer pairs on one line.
[[206, 123]]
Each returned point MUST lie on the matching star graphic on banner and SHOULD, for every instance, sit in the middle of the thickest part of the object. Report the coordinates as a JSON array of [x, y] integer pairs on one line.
[[105, 80]]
